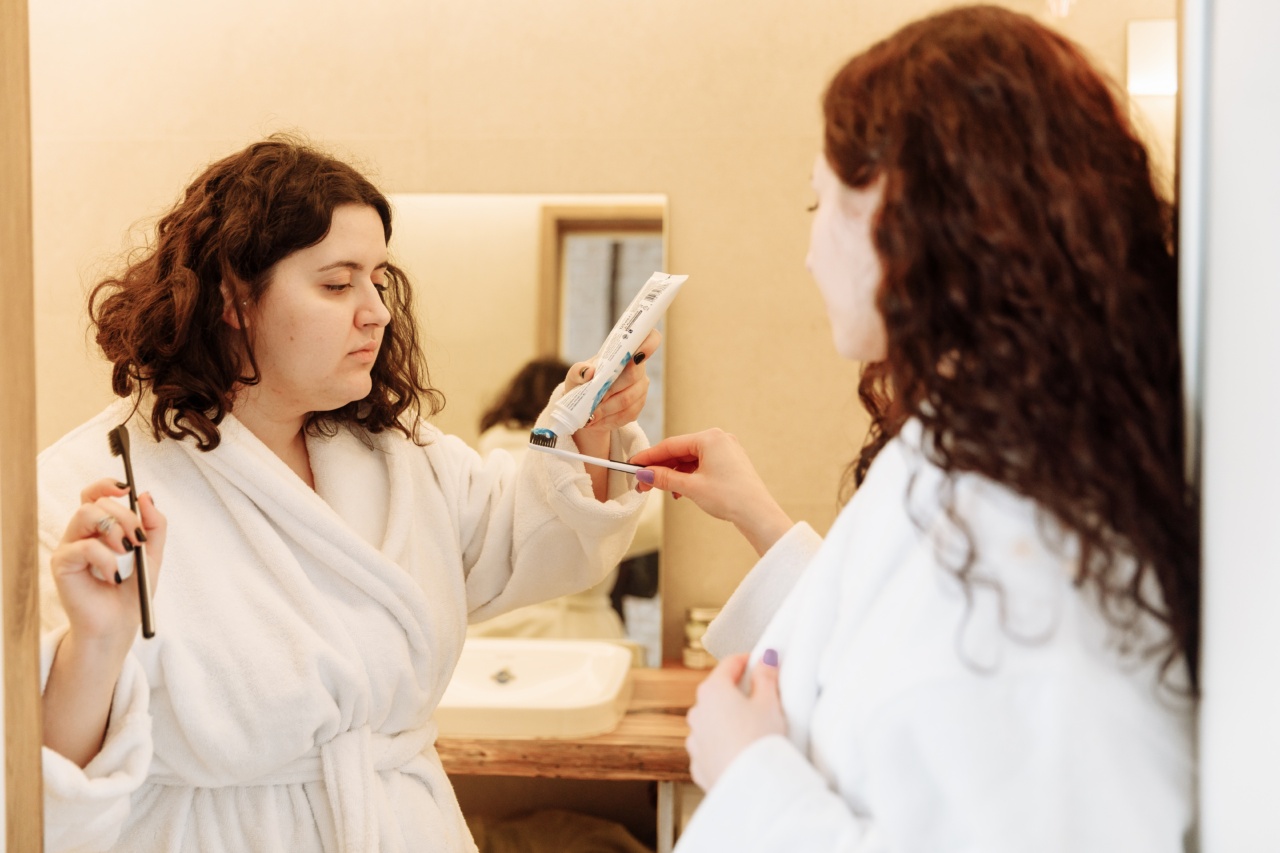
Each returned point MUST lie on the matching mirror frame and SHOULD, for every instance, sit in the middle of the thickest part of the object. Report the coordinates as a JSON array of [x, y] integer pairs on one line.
[[23, 785], [561, 219]]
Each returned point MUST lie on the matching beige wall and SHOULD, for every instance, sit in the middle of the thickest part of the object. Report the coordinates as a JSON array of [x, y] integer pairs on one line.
[[714, 104]]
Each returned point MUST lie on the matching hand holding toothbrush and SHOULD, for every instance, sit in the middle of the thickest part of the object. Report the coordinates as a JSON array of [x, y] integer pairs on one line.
[[712, 469], [87, 563], [102, 610]]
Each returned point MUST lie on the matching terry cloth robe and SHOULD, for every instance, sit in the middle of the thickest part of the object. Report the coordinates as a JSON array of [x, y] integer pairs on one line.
[[918, 720], [305, 637]]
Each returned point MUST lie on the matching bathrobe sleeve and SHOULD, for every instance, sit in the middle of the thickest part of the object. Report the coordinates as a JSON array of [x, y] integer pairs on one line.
[[744, 616], [983, 764], [905, 736], [85, 809], [533, 530]]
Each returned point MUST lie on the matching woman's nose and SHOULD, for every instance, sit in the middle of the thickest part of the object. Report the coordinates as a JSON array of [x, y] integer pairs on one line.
[[374, 312]]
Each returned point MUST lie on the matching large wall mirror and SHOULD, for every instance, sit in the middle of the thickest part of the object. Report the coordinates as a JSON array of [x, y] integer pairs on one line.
[[500, 128], [506, 283]]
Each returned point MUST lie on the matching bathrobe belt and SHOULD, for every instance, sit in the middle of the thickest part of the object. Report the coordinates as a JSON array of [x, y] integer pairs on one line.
[[348, 766]]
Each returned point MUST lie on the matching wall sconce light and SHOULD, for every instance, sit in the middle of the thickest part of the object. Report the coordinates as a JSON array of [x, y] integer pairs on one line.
[[1152, 82], [1059, 8], [1153, 57]]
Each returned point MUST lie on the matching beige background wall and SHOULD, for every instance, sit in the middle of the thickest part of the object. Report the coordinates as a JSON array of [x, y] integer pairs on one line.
[[714, 104]]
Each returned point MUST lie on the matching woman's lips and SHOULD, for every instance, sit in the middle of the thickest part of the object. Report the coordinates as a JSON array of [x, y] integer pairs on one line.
[[368, 352]]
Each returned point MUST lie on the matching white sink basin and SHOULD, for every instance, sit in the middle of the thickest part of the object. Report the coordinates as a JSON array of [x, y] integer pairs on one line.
[[520, 688]]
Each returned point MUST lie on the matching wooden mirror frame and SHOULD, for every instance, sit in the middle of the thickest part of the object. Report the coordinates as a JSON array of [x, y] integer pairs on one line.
[[24, 806], [561, 219]]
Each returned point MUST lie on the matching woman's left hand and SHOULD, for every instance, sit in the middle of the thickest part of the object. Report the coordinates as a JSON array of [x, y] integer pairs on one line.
[[626, 396], [725, 721]]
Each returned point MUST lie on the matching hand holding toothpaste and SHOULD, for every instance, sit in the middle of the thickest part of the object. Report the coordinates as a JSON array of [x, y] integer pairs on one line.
[[609, 391], [620, 405], [588, 389], [626, 396]]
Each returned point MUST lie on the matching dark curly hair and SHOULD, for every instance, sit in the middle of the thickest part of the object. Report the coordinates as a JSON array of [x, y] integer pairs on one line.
[[160, 321], [526, 394], [1029, 294]]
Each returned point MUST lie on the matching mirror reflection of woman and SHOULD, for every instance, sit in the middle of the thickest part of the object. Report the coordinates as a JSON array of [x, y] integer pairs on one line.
[[995, 646], [323, 546]]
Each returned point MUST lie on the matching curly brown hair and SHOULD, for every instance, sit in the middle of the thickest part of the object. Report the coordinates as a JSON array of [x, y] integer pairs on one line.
[[1029, 294], [526, 394], [160, 321]]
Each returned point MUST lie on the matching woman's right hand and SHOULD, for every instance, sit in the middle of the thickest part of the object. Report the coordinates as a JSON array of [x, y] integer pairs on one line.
[[102, 612], [712, 470], [104, 615]]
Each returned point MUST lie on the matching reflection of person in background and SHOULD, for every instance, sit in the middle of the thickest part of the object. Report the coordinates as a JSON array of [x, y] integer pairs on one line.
[[324, 545], [584, 615]]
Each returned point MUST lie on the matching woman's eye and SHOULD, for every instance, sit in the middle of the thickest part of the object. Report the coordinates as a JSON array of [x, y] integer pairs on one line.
[[336, 288], [380, 287]]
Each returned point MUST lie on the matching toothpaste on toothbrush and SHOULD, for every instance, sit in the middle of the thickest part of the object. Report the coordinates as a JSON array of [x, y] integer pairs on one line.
[[571, 411]]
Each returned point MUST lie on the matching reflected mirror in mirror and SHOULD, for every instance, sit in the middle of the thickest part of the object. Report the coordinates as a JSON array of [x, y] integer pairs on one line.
[[509, 290]]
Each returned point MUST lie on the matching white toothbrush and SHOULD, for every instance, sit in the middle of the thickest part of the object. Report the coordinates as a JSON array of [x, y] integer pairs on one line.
[[590, 460]]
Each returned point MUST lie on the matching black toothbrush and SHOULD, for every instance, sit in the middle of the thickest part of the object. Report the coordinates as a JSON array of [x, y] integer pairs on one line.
[[118, 438]]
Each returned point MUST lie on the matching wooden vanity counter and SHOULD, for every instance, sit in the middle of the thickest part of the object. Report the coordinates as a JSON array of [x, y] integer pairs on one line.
[[648, 743]]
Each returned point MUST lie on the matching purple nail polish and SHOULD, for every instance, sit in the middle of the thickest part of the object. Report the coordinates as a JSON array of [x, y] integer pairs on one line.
[[639, 357], [119, 580], [769, 658], [645, 476]]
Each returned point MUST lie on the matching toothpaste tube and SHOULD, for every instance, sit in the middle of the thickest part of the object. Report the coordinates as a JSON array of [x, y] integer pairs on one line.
[[571, 411]]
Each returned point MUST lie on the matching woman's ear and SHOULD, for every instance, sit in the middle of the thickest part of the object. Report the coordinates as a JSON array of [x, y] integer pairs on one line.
[[232, 314]]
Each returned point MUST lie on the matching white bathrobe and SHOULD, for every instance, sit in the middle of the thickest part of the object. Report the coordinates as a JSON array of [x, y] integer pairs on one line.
[[305, 637], [917, 722]]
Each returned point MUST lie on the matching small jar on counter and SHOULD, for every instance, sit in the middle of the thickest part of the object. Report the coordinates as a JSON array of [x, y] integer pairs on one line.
[[696, 621]]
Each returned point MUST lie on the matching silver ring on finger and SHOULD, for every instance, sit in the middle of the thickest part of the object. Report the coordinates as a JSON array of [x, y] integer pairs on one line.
[[105, 524]]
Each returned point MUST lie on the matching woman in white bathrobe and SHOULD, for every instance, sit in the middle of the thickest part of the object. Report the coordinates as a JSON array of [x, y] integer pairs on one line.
[[323, 547], [994, 647]]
